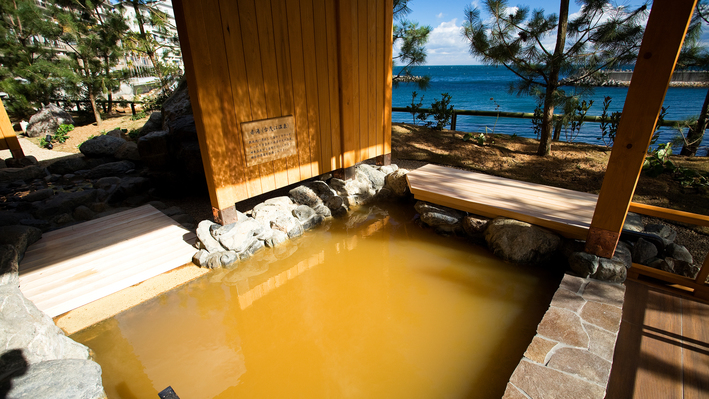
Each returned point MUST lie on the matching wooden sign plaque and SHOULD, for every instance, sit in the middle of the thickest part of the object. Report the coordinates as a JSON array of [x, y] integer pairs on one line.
[[269, 139]]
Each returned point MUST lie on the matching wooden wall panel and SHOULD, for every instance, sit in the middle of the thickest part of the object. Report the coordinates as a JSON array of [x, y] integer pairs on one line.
[[320, 61]]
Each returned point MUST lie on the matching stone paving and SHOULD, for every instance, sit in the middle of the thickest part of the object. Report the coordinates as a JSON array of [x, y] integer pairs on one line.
[[572, 353]]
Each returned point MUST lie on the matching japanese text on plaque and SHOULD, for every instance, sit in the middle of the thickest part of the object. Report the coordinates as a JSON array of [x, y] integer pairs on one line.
[[269, 139]]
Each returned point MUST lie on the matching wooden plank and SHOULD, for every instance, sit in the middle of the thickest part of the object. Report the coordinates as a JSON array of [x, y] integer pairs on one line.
[[109, 263], [206, 70], [380, 76], [347, 84], [254, 72], [311, 82], [669, 214], [695, 349], [362, 30], [334, 84], [372, 79], [302, 130], [666, 276], [662, 42], [269, 69], [323, 86], [288, 169], [388, 31], [356, 103]]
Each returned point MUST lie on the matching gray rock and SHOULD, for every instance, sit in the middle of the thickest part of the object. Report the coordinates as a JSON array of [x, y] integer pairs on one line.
[[520, 242], [101, 146], [27, 173], [27, 160], [110, 169], [277, 237], [9, 267], [384, 194], [83, 212], [321, 189], [65, 203], [178, 104], [39, 195], [680, 253], [67, 165], [289, 225], [154, 150], [396, 181], [228, 258], [116, 133], [375, 176], [214, 261], [255, 246], [20, 237], [643, 251], [667, 264], [338, 185], [624, 253], [238, 237], [204, 235], [323, 211], [307, 217], [66, 379], [662, 230], [268, 212], [685, 268], [612, 270], [474, 226], [47, 121], [305, 196], [32, 222], [154, 123], [200, 257], [24, 327], [128, 151], [584, 264], [62, 218], [633, 222], [438, 216], [388, 169], [10, 217], [107, 182]]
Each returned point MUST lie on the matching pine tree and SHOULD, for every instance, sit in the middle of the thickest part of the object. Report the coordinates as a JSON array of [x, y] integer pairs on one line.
[[411, 39], [31, 70], [92, 29], [695, 54], [601, 36]]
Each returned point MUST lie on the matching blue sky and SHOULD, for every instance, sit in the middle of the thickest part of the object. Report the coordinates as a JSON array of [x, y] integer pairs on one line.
[[446, 45]]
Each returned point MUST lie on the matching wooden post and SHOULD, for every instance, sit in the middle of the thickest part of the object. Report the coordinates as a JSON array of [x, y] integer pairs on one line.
[[454, 119], [132, 107], [658, 54], [7, 135]]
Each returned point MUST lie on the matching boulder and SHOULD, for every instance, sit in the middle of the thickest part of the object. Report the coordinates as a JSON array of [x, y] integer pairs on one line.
[[680, 253], [204, 235], [178, 104], [19, 237], [8, 218], [47, 121], [375, 176], [39, 195], [153, 124], [65, 202], [289, 225], [307, 217], [685, 268], [27, 160], [101, 146], [387, 169], [474, 226], [644, 251], [128, 151], [239, 236], [65, 378], [111, 169], [661, 230], [305, 196], [520, 242], [24, 327], [633, 222], [277, 237], [612, 270], [83, 212], [396, 181], [9, 267], [584, 264], [154, 150], [27, 173], [272, 209], [440, 217]]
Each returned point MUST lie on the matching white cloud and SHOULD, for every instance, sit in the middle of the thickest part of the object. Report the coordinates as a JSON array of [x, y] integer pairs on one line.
[[446, 45], [440, 15]]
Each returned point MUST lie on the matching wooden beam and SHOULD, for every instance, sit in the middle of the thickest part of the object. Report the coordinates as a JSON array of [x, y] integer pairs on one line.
[[8, 134], [669, 214], [664, 35]]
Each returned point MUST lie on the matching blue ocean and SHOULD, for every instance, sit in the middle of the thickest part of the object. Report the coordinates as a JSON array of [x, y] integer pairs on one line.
[[476, 87]]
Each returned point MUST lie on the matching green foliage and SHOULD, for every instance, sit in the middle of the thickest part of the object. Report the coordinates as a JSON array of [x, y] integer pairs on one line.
[[479, 138], [138, 115], [62, 133], [658, 162], [576, 112], [497, 108], [537, 120], [43, 143], [442, 112], [415, 109], [609, 123], [599, 36], [411, 39], [134, 134]]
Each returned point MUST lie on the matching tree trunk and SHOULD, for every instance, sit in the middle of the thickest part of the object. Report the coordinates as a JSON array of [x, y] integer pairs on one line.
[[557, 130], [556, 59], [694, 136], [97, 113]]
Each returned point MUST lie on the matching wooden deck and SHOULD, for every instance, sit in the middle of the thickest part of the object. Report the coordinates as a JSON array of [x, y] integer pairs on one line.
[[663, 347], [565, 211], [73, 266]]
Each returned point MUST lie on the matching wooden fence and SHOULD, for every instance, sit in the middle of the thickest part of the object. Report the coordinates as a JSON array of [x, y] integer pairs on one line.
[[326, 63]]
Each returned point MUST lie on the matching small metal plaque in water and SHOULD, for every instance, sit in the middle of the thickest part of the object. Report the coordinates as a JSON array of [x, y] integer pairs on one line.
[[168, 393], [269, 139]]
